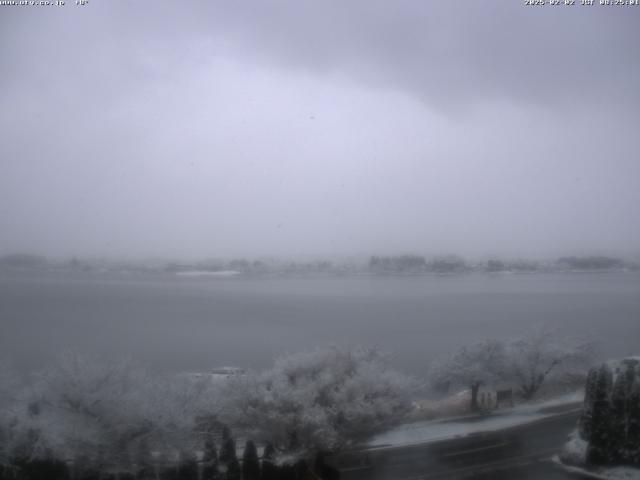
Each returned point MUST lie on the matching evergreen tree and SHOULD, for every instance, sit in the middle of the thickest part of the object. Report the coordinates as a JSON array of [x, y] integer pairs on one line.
[[210, 460], [600, 438], [632, 446], [584, 424], [46, 468], [269, 470], [228, 459], [187, 468], [226, 433], [250, 462], [633, 429], [618, 419], [611, 420], [324, 471], [80, 469], [286, 471], [144, 462], [301, 470], [166, 470]]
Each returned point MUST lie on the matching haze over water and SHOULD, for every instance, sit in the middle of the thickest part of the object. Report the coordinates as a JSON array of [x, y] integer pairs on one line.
[[196, 324]]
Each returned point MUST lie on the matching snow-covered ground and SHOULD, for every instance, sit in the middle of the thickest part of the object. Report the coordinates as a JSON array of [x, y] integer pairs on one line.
[[422, 432], [573, 458], [614, 473]]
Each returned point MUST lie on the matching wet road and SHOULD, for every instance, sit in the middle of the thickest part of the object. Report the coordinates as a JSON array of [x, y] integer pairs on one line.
[[521, 452]]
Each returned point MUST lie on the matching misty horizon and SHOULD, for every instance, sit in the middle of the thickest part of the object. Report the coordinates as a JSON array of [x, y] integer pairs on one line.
[[339, 258]]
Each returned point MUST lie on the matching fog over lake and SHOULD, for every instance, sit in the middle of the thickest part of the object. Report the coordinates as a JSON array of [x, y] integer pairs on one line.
[[195, 324]]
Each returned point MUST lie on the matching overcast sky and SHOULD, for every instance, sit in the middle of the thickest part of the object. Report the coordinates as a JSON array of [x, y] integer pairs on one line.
[[212, 129]]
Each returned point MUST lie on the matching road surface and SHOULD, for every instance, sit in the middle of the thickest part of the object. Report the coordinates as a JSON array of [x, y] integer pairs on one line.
[[522, 452]]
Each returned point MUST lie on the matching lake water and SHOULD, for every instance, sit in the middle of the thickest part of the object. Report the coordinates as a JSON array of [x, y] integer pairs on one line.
[[194, 324]]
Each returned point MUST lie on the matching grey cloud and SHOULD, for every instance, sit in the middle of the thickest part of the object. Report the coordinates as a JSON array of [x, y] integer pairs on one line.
[[318, 127]]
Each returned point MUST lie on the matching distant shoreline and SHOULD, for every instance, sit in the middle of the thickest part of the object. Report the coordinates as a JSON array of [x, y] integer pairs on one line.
[[395, 265]]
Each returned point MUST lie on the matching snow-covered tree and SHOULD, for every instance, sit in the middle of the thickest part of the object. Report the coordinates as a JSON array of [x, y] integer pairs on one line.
[[584, 425], [210, 460], [269, 471], [106, 416], [471, 367], [93, 411], [600, 439], [187, 467], [320, 400], [619, 414], [229, 465], [632, 445], [534, 359], [611, 422]]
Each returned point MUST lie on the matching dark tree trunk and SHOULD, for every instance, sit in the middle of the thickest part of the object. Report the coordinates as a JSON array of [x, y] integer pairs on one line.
[[475, 387]]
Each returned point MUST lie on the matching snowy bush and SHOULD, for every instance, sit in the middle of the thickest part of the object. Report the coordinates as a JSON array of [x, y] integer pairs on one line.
[[321, 400], [574, 451]]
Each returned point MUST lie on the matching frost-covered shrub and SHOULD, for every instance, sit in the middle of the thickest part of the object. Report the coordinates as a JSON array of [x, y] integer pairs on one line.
[[574, 451]]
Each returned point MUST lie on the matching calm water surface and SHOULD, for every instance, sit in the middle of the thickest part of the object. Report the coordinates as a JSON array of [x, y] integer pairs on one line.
[[194, 324]]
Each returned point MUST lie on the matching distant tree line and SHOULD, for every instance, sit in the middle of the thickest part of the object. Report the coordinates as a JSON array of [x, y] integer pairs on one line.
[[23, 260], [497, 265], [417, 264], [590, 263], [413, 264], [377, 264]]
